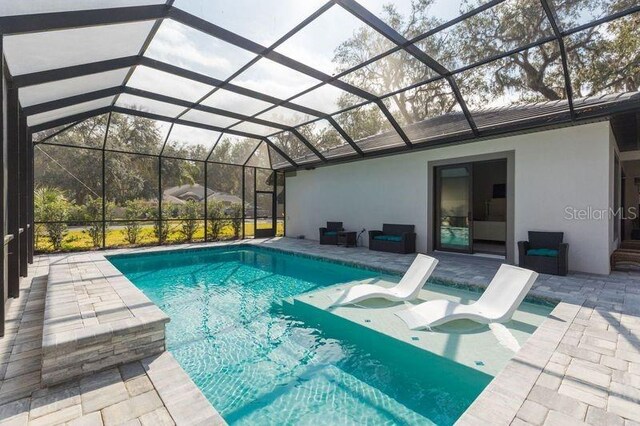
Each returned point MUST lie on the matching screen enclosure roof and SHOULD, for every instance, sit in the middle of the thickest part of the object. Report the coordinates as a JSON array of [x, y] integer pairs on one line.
[[288, 83]]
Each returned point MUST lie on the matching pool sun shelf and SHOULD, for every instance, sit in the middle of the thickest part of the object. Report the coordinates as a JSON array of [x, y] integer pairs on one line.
[[478, 347]]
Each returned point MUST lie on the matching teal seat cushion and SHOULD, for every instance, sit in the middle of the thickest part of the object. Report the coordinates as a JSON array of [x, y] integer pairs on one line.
[[394, 238], [330, 233], [542, 252]]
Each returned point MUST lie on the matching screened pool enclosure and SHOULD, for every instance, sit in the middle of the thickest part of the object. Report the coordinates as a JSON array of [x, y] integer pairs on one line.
[[133, 122]]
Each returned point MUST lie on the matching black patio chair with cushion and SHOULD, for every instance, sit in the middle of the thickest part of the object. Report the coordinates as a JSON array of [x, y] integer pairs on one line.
[[544, 253], [329, 235], [393, 239]]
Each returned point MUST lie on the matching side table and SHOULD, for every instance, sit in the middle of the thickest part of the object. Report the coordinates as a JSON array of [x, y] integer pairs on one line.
[[347, 238]]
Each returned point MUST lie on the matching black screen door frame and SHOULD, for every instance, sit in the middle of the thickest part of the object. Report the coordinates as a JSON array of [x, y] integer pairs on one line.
[[265, 232]]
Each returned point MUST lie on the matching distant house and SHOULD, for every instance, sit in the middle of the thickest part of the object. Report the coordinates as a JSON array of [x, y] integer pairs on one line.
[[197, 192]]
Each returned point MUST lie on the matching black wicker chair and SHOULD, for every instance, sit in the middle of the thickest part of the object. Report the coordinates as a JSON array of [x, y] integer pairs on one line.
[[393, 239], [545, 253], [329, 235]]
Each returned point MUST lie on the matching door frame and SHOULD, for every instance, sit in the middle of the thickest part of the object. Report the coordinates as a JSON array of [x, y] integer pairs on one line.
[[265, 232], [431, 195], [437, 179], [273, 193]]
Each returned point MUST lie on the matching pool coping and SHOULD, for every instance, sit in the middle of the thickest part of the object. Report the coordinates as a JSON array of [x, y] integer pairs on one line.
[[525, 382]]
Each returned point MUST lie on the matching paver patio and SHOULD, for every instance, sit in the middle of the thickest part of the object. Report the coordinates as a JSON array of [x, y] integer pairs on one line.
[[581, 366]]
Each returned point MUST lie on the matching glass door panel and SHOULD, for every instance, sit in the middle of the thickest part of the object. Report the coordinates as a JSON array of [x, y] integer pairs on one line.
[[453, 208]]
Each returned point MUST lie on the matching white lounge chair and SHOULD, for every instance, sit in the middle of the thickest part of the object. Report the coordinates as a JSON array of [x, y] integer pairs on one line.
[[497, 304], [407, 289]]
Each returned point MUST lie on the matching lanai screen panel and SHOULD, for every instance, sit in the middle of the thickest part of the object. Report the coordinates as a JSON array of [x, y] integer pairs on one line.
[[595, 46], [203, 117], [32, 52], [395, 71], [233, 149], [30, 7], [60, 89], [506, 26], [292, 146], [193, 50], [325, 138], [369, 128], [317, 78], [143, 104], [493, 105], [190, 142], [337, 27], [134, 134], [275, 79], [262, 21], [428, 112], [236, 102], [60, 113], [166, 84], [285, 116], [86, 134], [327, 99]]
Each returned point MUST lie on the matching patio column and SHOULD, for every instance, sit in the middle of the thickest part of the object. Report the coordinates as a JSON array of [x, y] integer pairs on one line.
[[31, 241], [23, 219], [3, 248], [13, 192]]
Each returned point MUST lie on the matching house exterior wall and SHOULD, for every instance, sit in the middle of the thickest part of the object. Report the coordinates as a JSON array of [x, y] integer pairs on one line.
[[562, 180]]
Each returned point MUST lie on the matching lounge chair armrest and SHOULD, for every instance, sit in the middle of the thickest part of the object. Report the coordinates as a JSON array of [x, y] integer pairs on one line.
[[322, 231], [374, 233], [523, 248], [408, 236]]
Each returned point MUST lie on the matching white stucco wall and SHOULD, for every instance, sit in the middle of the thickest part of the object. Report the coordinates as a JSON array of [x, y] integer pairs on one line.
[[555, 169]]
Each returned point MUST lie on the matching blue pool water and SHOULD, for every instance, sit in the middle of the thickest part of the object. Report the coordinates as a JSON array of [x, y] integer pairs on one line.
[[258, 363]]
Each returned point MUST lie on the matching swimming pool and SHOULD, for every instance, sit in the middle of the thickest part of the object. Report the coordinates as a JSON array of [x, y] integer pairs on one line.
[[257, 364]]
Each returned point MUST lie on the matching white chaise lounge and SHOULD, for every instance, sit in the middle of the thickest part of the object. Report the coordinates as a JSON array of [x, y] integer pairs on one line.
[[407, 289], [497, 304]]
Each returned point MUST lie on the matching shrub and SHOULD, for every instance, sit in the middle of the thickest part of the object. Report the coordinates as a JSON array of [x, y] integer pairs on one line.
[[235, 214], [217, 219], [133, 211], [52, 206], [189, 224], [161, 227], [92, 209]]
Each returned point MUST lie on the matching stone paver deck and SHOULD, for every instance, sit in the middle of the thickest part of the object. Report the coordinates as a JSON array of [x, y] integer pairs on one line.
[[581, 366], [154, 391]]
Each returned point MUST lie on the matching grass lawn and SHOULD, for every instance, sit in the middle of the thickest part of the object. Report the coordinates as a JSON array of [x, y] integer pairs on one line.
[[78, 238]]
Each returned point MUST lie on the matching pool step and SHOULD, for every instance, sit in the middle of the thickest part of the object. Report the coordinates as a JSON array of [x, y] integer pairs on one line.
[[282, 306], [287, 302]]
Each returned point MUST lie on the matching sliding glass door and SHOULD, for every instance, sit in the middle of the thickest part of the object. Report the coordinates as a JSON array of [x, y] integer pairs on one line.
[[453, 208]]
